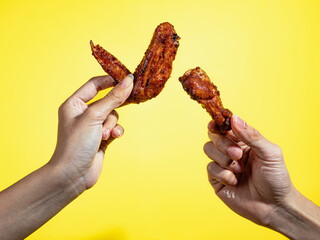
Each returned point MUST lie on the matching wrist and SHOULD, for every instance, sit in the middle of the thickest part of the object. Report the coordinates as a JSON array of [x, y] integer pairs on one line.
[[69, 180], [294, 218], [28, 204]]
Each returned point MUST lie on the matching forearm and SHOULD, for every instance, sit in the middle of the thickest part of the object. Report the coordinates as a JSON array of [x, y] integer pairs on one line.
[[299, 219], [31, 202]]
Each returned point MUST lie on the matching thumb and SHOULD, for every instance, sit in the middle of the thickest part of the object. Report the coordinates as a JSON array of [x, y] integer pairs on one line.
[[114, 98], [262, 147]]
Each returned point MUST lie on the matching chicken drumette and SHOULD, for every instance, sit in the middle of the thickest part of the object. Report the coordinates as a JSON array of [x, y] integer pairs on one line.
[[153, 71], [198, 85]]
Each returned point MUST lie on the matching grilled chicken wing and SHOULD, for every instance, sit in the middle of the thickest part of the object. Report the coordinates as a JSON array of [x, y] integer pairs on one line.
[[153, 71], [198, 85], [109, 63]]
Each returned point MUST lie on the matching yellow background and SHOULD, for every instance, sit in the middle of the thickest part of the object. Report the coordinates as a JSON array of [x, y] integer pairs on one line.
[[264, 57]]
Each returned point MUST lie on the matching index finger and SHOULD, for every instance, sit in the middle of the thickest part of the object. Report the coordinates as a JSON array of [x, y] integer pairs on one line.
[[225, 144], [229, 134], [91, 88]]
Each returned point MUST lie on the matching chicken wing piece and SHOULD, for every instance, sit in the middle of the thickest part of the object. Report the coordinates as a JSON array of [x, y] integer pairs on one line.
[[109, 63], [198, 85], [153, 71], [155, 68]]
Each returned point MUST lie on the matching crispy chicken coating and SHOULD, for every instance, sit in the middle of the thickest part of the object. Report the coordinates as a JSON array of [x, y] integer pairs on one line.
[[155, 68], [109, 63], [153, 71], [199, 87]]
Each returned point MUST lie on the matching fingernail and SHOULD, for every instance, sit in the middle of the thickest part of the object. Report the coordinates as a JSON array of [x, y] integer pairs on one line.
[[236, 167], [106, 134], [127, 81], [116, 133], [241, 124], [235, 181], [119, 133], [132, 77]]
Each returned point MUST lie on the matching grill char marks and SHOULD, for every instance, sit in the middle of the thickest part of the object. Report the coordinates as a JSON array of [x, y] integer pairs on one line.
[[153, 71], [109, 63], [156, 66]]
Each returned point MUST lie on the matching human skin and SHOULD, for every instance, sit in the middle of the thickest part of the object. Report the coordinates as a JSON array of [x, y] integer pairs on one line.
[[84, 133], [249, 175]]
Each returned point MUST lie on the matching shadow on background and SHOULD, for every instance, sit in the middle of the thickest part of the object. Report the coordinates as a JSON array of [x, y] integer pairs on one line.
[[114, 234]]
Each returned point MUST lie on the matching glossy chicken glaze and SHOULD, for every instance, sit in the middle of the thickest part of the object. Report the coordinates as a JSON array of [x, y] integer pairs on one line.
[[153, 71], [199, 87]]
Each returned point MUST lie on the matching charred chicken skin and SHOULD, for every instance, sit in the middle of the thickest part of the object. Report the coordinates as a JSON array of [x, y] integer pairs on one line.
[[109, 63], [153, 71], [199, 87]]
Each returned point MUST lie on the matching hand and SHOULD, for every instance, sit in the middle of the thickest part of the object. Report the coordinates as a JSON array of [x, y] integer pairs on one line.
[[83, 135], [248, 172], [86, 130]]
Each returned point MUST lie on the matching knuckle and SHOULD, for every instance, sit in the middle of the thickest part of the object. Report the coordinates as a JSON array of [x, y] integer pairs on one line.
[[92, 113], [254, 135], [272, 152], [219, 143], [211, 152], [115, 98], [92, 79], [114, 95], [226, 162], [62, 108], [277, 150]]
